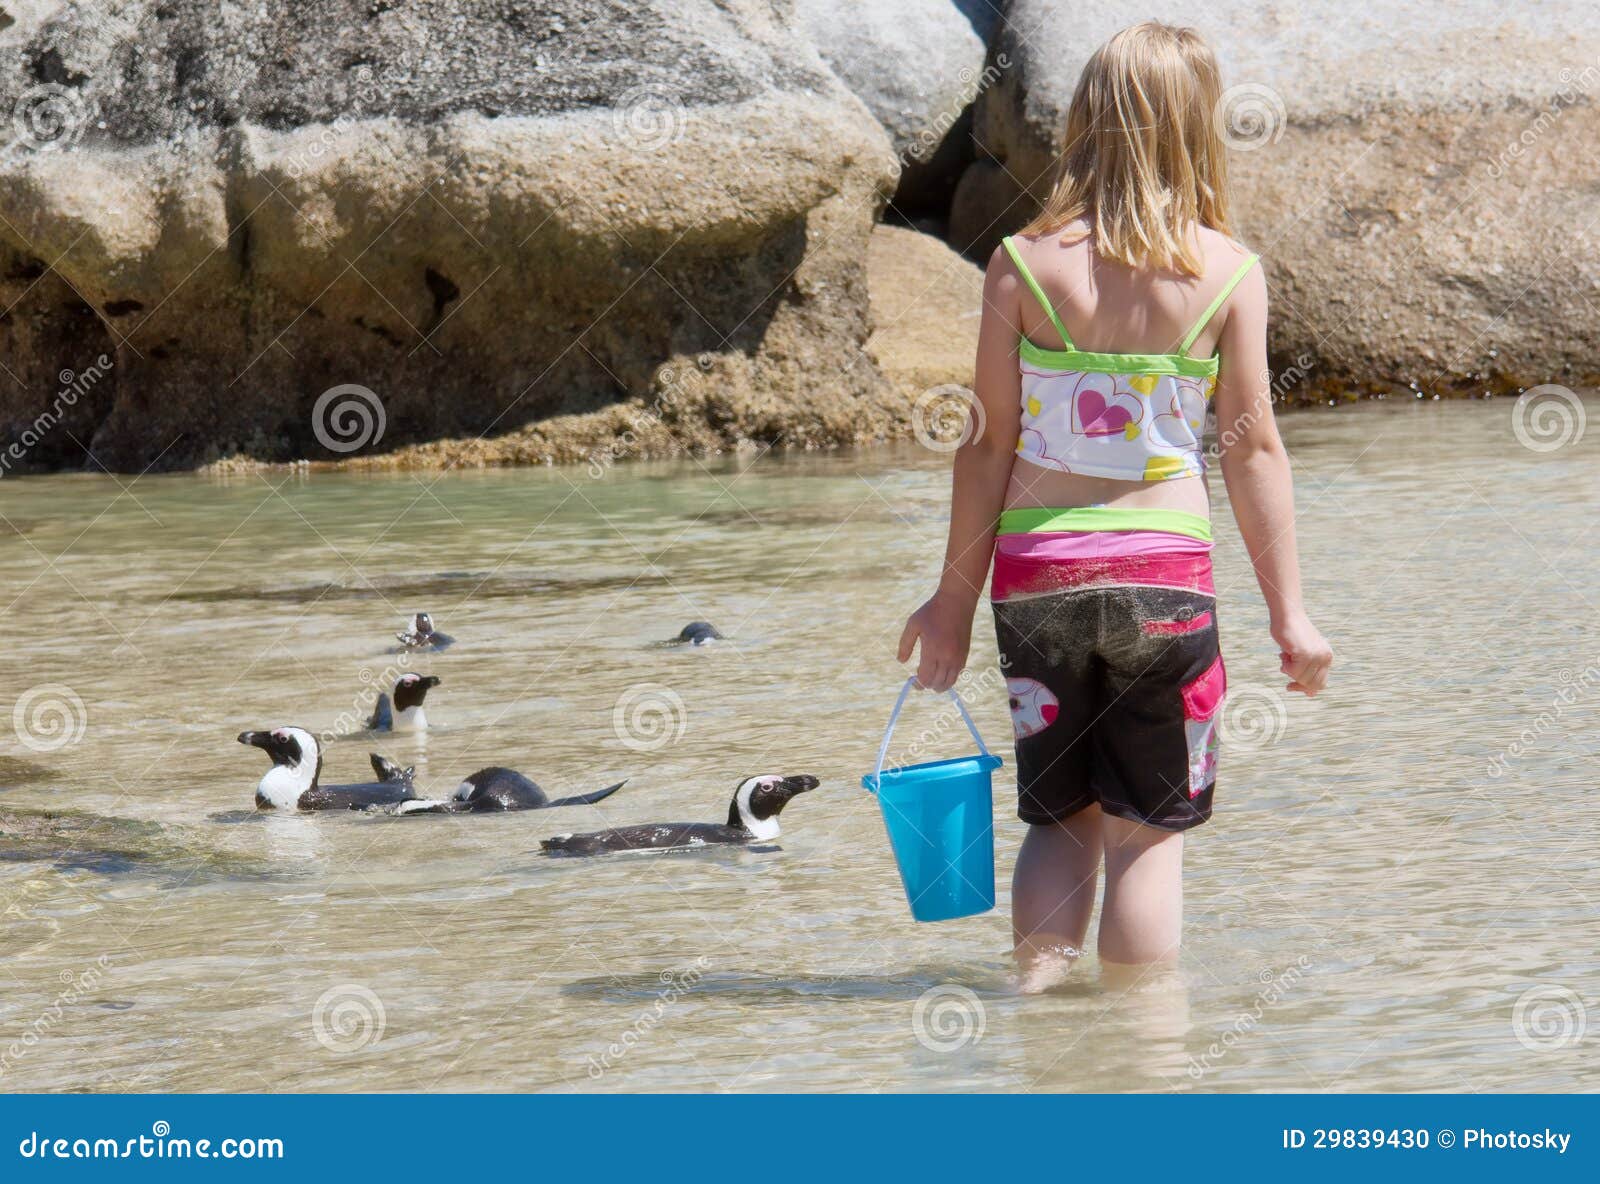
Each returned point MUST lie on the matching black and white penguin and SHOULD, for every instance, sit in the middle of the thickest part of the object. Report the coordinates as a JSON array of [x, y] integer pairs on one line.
[[293, 782], [405, 714], [423, 636], [698, 633], [499, 788], [752, 817]]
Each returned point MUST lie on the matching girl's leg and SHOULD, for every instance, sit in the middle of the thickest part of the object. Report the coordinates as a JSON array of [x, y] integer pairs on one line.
[[1052, 893], [1141, 921]]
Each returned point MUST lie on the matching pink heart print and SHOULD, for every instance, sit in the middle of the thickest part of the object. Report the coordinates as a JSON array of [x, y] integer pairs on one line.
[[1100, 419]]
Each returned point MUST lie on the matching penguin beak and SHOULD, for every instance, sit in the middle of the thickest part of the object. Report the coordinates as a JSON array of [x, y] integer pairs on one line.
[[255, 739], [798, 784], [431, 681]]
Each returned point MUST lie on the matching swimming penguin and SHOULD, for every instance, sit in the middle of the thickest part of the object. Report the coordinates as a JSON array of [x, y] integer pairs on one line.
[[292, 782], [752, 817], [698, 633], [406, 713], [499, 788], [423, 636]]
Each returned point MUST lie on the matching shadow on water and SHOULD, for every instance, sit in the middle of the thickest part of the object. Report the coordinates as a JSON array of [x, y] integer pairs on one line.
[[781, 989], [14, 771], [67, 841], [480, 585]]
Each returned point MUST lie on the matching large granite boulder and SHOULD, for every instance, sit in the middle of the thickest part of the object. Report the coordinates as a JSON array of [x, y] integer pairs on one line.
[[1419, 177], [918, 65], [489, 216]]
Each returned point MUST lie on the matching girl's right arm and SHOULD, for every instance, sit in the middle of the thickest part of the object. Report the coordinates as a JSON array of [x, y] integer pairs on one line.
[[943, 625], [1260, 485]]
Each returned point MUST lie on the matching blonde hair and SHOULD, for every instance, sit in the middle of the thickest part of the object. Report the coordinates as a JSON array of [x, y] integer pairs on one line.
[[1143, 159]]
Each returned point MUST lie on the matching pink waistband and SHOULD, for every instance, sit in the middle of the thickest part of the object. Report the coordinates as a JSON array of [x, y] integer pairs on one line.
[[1044, 562]]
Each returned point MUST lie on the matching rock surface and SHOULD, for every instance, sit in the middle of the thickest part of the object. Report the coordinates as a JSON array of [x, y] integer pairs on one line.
[[925, 301], [1418, 177], [918, 65], [487, 216]]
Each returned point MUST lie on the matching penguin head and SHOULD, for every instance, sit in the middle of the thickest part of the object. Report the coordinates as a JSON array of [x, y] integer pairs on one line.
[[422, 623], [296, 764], [288, 747], [699, 633], [411, 689], [758, 801]]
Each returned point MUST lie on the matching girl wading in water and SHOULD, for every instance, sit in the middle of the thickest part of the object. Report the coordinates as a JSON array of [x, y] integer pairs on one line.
[[1114, 325]]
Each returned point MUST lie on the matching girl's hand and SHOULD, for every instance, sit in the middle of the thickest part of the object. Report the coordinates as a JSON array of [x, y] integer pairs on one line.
[[944, 627], [1306, 656]]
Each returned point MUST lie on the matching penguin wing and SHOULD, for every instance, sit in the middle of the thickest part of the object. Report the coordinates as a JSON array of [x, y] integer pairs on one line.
[[355, 797], [586, 799], [382, 715], [659, 836]]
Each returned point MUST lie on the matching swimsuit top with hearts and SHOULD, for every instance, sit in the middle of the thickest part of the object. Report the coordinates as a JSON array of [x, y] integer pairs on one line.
[[1133, 417]]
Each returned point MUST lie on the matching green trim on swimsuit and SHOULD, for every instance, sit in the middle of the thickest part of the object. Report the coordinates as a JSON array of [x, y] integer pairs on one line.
[[1077, 359], [1087, 518]]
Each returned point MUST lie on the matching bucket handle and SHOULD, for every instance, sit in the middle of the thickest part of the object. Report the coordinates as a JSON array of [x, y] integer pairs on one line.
[[888, 733]]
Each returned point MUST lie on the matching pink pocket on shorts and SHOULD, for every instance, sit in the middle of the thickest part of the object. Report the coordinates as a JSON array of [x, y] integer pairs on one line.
[[1164, 628], [1201, 699], [1203, 696]]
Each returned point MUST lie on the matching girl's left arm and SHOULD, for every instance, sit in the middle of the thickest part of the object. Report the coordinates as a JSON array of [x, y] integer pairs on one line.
[[943, 625]]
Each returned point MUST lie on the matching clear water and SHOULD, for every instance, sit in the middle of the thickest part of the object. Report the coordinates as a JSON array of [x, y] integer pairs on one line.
[[1365, 913]]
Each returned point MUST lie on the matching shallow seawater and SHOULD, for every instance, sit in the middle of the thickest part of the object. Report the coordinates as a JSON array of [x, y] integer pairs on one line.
[[1399, 890]]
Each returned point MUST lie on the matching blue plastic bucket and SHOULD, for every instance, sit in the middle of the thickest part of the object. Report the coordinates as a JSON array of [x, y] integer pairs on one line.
[[940, 819]]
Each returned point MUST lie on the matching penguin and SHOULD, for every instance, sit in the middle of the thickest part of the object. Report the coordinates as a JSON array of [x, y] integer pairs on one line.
[[752, 817], [405, 715], [498, 789], [293, 781], [423, 636], [698, 633]]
